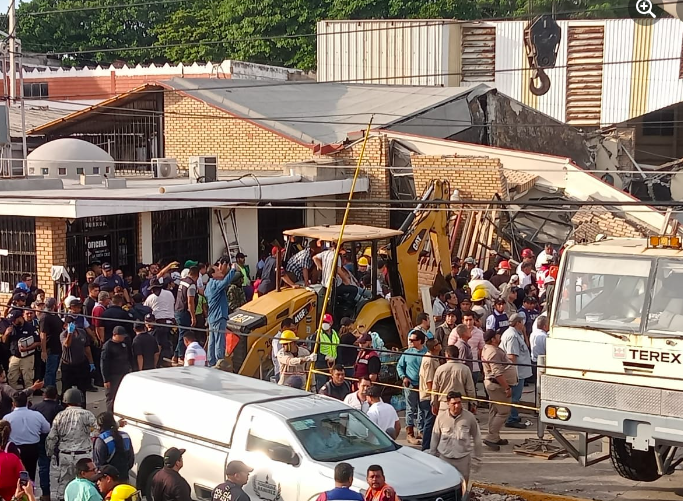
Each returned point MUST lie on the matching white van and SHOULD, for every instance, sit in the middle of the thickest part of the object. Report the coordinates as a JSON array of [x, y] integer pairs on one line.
[[291, 438]]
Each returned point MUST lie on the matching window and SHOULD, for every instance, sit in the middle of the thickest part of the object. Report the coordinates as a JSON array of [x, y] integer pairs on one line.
[[18, 237], [62, 171], [79, 170], [340, 435], [44, 171], [603, 292], [95, 170], [666, 306], [106, 170], [659, 123], [35, 90]]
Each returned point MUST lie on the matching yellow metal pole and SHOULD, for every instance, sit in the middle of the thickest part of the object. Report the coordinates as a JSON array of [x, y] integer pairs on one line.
[[333, 274]]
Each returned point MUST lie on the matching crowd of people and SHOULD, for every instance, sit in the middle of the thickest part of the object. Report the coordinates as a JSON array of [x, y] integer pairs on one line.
[[490, 328]]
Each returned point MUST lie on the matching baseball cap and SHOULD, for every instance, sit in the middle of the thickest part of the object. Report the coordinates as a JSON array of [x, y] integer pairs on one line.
[[173, 455], [190, 263], [119, 331], [106, 266], [516, 317], [155, 284], [90, 274], [19, 296], [14, 314], [470, 260], [109, 471], [237, 467], [239, 255], [150, 318], [274, 251], [450, 311]]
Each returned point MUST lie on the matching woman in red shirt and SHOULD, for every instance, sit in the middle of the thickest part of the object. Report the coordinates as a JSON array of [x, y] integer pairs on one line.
[[10, 464]]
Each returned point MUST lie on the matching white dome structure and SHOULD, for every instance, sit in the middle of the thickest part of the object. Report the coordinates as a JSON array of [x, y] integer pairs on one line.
[[68, 158]]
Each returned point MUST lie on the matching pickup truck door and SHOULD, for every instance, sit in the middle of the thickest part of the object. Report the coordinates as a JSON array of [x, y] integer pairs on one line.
[[265, 442]]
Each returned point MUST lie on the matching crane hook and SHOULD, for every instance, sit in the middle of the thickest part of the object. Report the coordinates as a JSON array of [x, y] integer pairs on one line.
[[544, 82]]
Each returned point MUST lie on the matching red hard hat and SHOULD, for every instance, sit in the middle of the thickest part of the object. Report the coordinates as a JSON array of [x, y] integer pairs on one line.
[[327, 318], [504, 265], [527, 253]]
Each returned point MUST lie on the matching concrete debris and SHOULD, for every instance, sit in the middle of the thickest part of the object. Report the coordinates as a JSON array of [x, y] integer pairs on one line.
[[479, 494]]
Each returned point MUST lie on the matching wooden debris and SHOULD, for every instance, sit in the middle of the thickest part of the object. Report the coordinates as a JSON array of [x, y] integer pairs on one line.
[[537, 447]]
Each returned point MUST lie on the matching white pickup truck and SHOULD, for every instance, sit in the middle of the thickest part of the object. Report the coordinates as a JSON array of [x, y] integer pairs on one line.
[[291, 438]]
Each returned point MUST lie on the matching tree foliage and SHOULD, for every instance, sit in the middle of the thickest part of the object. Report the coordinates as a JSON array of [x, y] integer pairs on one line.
[[277, 32]]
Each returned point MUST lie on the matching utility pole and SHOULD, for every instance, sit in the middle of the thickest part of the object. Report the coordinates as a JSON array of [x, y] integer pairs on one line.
[[12, 18]]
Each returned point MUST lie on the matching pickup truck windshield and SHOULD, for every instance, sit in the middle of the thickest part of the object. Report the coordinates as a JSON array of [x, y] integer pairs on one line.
[[606, 292], [340, 435]]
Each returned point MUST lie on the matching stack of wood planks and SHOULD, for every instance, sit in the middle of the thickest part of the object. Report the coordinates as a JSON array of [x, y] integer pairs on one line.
[[474, 232]]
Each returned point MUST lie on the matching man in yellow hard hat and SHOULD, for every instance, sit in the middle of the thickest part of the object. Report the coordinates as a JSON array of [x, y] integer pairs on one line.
[[363, 264], [292, 357]]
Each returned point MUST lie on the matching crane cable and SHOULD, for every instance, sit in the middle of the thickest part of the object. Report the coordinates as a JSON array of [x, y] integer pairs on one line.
[[333, 271]]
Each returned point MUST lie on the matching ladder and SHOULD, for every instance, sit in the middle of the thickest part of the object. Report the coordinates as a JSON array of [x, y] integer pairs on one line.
[[229, 232]]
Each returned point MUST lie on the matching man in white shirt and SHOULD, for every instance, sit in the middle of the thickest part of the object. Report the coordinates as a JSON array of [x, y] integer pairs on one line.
[[542, 258], [194, 353], [359, 399], [524, 273], [161, 301], [382, 414], [539, 334]]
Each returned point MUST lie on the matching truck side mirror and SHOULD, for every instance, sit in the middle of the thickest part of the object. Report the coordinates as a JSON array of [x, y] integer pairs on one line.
[[284, 454]]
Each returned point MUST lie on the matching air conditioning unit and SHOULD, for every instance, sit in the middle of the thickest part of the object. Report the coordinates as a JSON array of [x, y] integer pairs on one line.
[[203, 169], [165, 168]]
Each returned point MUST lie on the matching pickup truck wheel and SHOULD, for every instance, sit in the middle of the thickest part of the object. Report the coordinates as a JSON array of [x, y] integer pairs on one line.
[[149, 467], [640, 466]]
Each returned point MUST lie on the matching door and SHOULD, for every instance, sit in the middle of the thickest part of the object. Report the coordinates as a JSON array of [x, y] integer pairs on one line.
[[266, 444]]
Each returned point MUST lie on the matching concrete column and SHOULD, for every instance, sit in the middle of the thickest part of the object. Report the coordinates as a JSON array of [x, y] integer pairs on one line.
[[50, 250], [145, 237]]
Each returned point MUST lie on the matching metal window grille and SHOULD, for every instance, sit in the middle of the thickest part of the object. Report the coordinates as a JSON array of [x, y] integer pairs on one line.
[[180, 235], [18, 238]]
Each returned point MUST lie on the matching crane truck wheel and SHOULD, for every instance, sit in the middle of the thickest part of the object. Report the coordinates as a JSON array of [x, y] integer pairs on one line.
[[640, 466]]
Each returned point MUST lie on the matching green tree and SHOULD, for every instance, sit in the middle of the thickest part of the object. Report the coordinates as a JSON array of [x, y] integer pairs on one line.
[[77, 29]]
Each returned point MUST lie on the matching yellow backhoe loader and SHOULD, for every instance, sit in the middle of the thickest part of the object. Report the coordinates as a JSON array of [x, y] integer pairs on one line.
[[259, 320]]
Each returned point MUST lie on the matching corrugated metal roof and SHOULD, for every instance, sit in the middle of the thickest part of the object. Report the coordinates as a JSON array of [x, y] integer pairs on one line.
[[34, 117], [319, 113]]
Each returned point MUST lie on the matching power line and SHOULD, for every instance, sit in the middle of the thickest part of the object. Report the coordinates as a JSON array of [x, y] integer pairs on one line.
[[102, 7], [308, 341]]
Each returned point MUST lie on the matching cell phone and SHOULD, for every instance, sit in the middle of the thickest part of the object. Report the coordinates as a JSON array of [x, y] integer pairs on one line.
[[23, 478]]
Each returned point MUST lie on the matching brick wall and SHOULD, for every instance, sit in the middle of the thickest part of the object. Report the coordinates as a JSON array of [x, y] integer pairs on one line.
[[192, 127], [374, 166], [50, 249], [474, 177], [589, 222]]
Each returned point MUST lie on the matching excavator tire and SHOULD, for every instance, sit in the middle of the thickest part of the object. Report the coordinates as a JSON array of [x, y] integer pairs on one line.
[[386, 328], [640, 466]]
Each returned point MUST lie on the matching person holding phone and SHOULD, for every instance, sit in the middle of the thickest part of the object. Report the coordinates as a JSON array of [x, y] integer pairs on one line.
[[11, 468]]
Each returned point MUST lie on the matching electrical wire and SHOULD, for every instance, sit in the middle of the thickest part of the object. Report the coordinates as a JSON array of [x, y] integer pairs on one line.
[[100, 7], [323, 343]]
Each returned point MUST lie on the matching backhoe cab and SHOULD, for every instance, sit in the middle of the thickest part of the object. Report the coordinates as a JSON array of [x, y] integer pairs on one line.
[[259, 320]]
